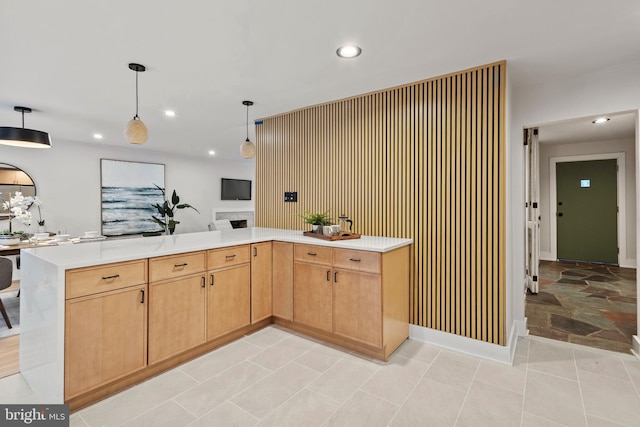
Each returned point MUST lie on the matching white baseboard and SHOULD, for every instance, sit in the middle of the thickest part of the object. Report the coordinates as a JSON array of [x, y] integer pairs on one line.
[[628, 263], [485, 350], [546, 256], [635, 346]]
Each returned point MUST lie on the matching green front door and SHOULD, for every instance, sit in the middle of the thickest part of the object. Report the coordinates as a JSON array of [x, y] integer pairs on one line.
[[587, 211]]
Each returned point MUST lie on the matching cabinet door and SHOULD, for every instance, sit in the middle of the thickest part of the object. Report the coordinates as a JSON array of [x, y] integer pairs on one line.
[[228, 300], [312, 295], [283, 280], [261, 281], [176, 316], [357, 306], [105, 338]]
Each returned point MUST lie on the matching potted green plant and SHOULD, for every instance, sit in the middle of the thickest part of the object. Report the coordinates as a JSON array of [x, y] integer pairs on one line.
[[166, 211], [316, 220]]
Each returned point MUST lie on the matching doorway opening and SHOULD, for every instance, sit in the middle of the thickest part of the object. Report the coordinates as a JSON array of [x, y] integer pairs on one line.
[[581, 231]]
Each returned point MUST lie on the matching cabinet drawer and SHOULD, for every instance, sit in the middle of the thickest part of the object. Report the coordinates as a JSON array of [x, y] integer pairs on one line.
[[357, 260], [93, 280], [168, 267], [227, 257], [312, 253]]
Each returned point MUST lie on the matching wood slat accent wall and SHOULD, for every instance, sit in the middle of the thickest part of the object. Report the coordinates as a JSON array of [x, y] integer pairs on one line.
[[425, 160]]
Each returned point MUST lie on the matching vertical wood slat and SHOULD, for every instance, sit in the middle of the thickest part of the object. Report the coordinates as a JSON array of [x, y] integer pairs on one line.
[[426, 161]]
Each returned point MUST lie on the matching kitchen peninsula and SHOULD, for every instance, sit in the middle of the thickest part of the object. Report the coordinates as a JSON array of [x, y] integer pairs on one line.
[[99, 317]]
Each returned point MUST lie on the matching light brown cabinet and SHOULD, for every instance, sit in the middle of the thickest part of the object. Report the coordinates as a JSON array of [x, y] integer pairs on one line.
[[105, 325], [360, 297], [228, 300], [312, 295], [261, 281], [357, 308], [177, 315], [282, 280]]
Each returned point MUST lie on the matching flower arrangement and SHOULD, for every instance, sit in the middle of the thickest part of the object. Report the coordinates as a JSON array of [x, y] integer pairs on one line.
[[18, 206]]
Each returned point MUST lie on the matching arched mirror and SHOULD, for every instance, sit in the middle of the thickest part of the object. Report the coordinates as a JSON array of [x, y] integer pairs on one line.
[[14, 179]]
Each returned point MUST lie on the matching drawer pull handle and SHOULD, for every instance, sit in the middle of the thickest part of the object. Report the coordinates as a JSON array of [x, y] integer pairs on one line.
[[335, 277], [184, 264], [115, 276], [230, 256], [355, 259], [312, 253], [204, 282], [255, 251], [141, 296], [212, 280], [328, 276]]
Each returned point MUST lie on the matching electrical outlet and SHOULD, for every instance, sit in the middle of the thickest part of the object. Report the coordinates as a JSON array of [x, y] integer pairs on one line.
[[291, 196]]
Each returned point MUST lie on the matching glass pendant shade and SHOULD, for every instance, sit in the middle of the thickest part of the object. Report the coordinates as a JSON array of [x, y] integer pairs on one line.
[[248, 149], [136, 131]]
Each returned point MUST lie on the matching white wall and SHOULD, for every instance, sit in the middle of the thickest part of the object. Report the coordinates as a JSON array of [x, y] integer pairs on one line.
[[612, 90], [67, 178], [559, 150]]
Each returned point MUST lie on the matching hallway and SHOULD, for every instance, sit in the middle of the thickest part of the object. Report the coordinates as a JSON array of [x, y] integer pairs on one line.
[[588, 304]]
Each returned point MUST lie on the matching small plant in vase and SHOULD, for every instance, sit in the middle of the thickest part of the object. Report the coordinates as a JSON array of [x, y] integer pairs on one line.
[[166, 211], [317, 220]]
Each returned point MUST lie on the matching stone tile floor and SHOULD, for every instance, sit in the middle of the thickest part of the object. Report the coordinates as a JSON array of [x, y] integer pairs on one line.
[[588, 304], [275, 378]]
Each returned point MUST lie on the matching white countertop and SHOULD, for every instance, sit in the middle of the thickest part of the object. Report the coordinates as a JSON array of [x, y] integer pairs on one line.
[[116, 250]]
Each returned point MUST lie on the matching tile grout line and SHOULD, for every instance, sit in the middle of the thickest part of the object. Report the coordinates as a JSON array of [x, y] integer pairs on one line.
[[400, 406], [466, 396], [584, 408], [341, 404], [524, 392]]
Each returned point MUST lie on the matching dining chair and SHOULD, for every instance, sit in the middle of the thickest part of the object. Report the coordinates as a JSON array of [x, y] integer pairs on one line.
[[6, 276]]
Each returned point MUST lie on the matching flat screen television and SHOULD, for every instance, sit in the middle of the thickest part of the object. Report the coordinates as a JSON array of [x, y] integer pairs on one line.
[[235, 189]]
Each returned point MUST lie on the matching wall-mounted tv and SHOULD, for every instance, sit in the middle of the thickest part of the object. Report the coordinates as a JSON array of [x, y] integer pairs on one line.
[[235, 189]]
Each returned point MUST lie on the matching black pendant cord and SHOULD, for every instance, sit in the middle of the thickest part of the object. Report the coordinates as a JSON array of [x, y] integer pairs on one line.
[[22, 128], [247, 122], [136, 116]]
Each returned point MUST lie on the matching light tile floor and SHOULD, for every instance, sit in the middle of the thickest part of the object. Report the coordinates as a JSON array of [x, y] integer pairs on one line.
[[275, 378]]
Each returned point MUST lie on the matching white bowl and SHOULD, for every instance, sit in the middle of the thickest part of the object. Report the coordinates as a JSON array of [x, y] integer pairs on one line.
[[42, 236], [90, 234], [9, 240], [61, 237]]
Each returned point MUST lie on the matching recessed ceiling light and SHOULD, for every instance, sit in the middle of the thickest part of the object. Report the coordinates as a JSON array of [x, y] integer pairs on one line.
[[600, 120], [212, 153], [349, 51], [170, 113], [98, 136]]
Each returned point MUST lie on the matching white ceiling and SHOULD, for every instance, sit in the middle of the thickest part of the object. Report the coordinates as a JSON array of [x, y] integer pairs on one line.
[[68, 59], [620, 126]]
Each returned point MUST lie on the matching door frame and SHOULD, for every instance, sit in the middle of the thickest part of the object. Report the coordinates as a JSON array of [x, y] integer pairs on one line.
[[553, 201]]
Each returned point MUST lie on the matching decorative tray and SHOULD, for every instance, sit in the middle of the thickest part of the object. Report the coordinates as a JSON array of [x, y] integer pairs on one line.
[[341, 236]]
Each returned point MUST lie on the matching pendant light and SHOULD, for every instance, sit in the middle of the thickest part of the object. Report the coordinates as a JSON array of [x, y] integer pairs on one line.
[[136, 131], [21, 137], [248, 148]]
